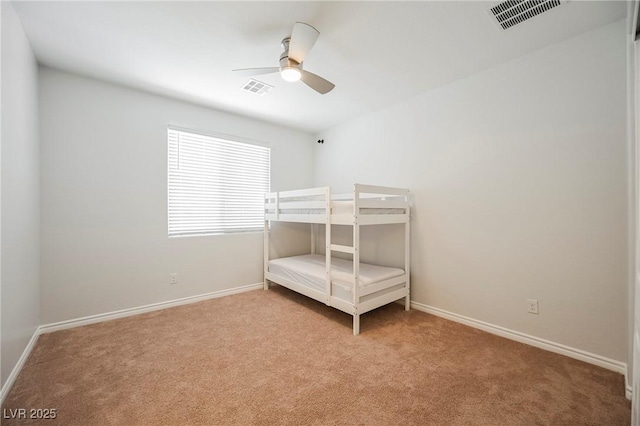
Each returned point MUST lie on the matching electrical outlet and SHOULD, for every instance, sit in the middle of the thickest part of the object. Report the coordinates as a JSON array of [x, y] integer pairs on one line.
[[532, 306], [173, 278]]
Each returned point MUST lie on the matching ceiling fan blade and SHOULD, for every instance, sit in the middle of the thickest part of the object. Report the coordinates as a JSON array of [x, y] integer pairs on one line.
[[257, 71], [316, 82], [303, 37]]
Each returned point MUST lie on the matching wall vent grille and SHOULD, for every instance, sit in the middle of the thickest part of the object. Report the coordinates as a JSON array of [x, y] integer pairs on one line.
[[256, 87], [512, 12]]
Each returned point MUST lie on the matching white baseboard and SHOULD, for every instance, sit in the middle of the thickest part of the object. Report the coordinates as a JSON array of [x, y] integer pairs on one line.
[[78, 322], [558, 348], [92, 319], [628, 392], [6, 387]]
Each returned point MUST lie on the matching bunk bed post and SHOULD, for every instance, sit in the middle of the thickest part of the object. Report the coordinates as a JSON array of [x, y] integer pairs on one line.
[[356, 324], [356, 259], [407, 258], [314, 229], [327, 232], [266, 244]]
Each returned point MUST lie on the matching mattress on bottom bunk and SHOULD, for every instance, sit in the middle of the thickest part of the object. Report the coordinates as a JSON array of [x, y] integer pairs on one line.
[[309, 270]]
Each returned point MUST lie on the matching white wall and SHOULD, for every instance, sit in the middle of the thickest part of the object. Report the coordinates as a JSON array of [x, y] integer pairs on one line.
[[20, 192], [632, 189], [104, 199], [634, 295], [520, 182]]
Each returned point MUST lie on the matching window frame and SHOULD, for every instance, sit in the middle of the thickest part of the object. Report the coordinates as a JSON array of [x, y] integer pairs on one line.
[[220, 137]]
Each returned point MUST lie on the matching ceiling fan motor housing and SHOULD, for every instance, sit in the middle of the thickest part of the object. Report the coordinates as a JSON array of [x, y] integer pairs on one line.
[[285, 60]]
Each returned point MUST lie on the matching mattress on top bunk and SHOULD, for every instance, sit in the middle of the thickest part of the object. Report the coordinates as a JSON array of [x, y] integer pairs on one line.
[[346, 207], [309, 270], [343, 208]]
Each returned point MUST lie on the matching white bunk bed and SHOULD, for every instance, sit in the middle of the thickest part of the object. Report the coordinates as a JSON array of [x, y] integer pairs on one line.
[[348, 285]]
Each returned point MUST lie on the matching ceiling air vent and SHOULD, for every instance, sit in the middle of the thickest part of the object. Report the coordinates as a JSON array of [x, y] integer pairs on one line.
[[512, 12], [257, 87]]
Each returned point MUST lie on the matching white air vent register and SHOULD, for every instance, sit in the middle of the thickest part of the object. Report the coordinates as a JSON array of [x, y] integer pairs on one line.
[[257, 87]]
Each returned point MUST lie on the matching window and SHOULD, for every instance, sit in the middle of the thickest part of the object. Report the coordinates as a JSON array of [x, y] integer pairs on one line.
[[216, 185]]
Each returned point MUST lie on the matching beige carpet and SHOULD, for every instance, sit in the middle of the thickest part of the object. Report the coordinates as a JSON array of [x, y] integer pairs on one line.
[[275, 357]]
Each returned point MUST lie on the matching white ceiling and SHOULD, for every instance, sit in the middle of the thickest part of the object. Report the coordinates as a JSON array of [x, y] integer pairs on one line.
[[377, 53]]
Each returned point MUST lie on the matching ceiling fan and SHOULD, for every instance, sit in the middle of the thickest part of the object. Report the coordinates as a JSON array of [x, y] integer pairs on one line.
[[296, 47]]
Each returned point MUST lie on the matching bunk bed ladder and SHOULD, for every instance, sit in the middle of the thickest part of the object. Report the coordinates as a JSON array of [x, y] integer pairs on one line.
[[327, 230], [354, 250]]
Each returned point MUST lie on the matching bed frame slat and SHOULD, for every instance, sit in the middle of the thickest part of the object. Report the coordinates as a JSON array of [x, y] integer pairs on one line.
[[387, 190], [342, 249]]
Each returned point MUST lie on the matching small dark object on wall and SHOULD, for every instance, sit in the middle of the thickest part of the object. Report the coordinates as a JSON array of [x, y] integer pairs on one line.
[[320, 140]]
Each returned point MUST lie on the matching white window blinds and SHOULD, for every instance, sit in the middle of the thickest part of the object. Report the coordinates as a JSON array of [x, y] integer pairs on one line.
[[216, 186]]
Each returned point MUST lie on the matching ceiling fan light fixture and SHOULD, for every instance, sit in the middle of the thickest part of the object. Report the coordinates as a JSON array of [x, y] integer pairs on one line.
[[290, 74]]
